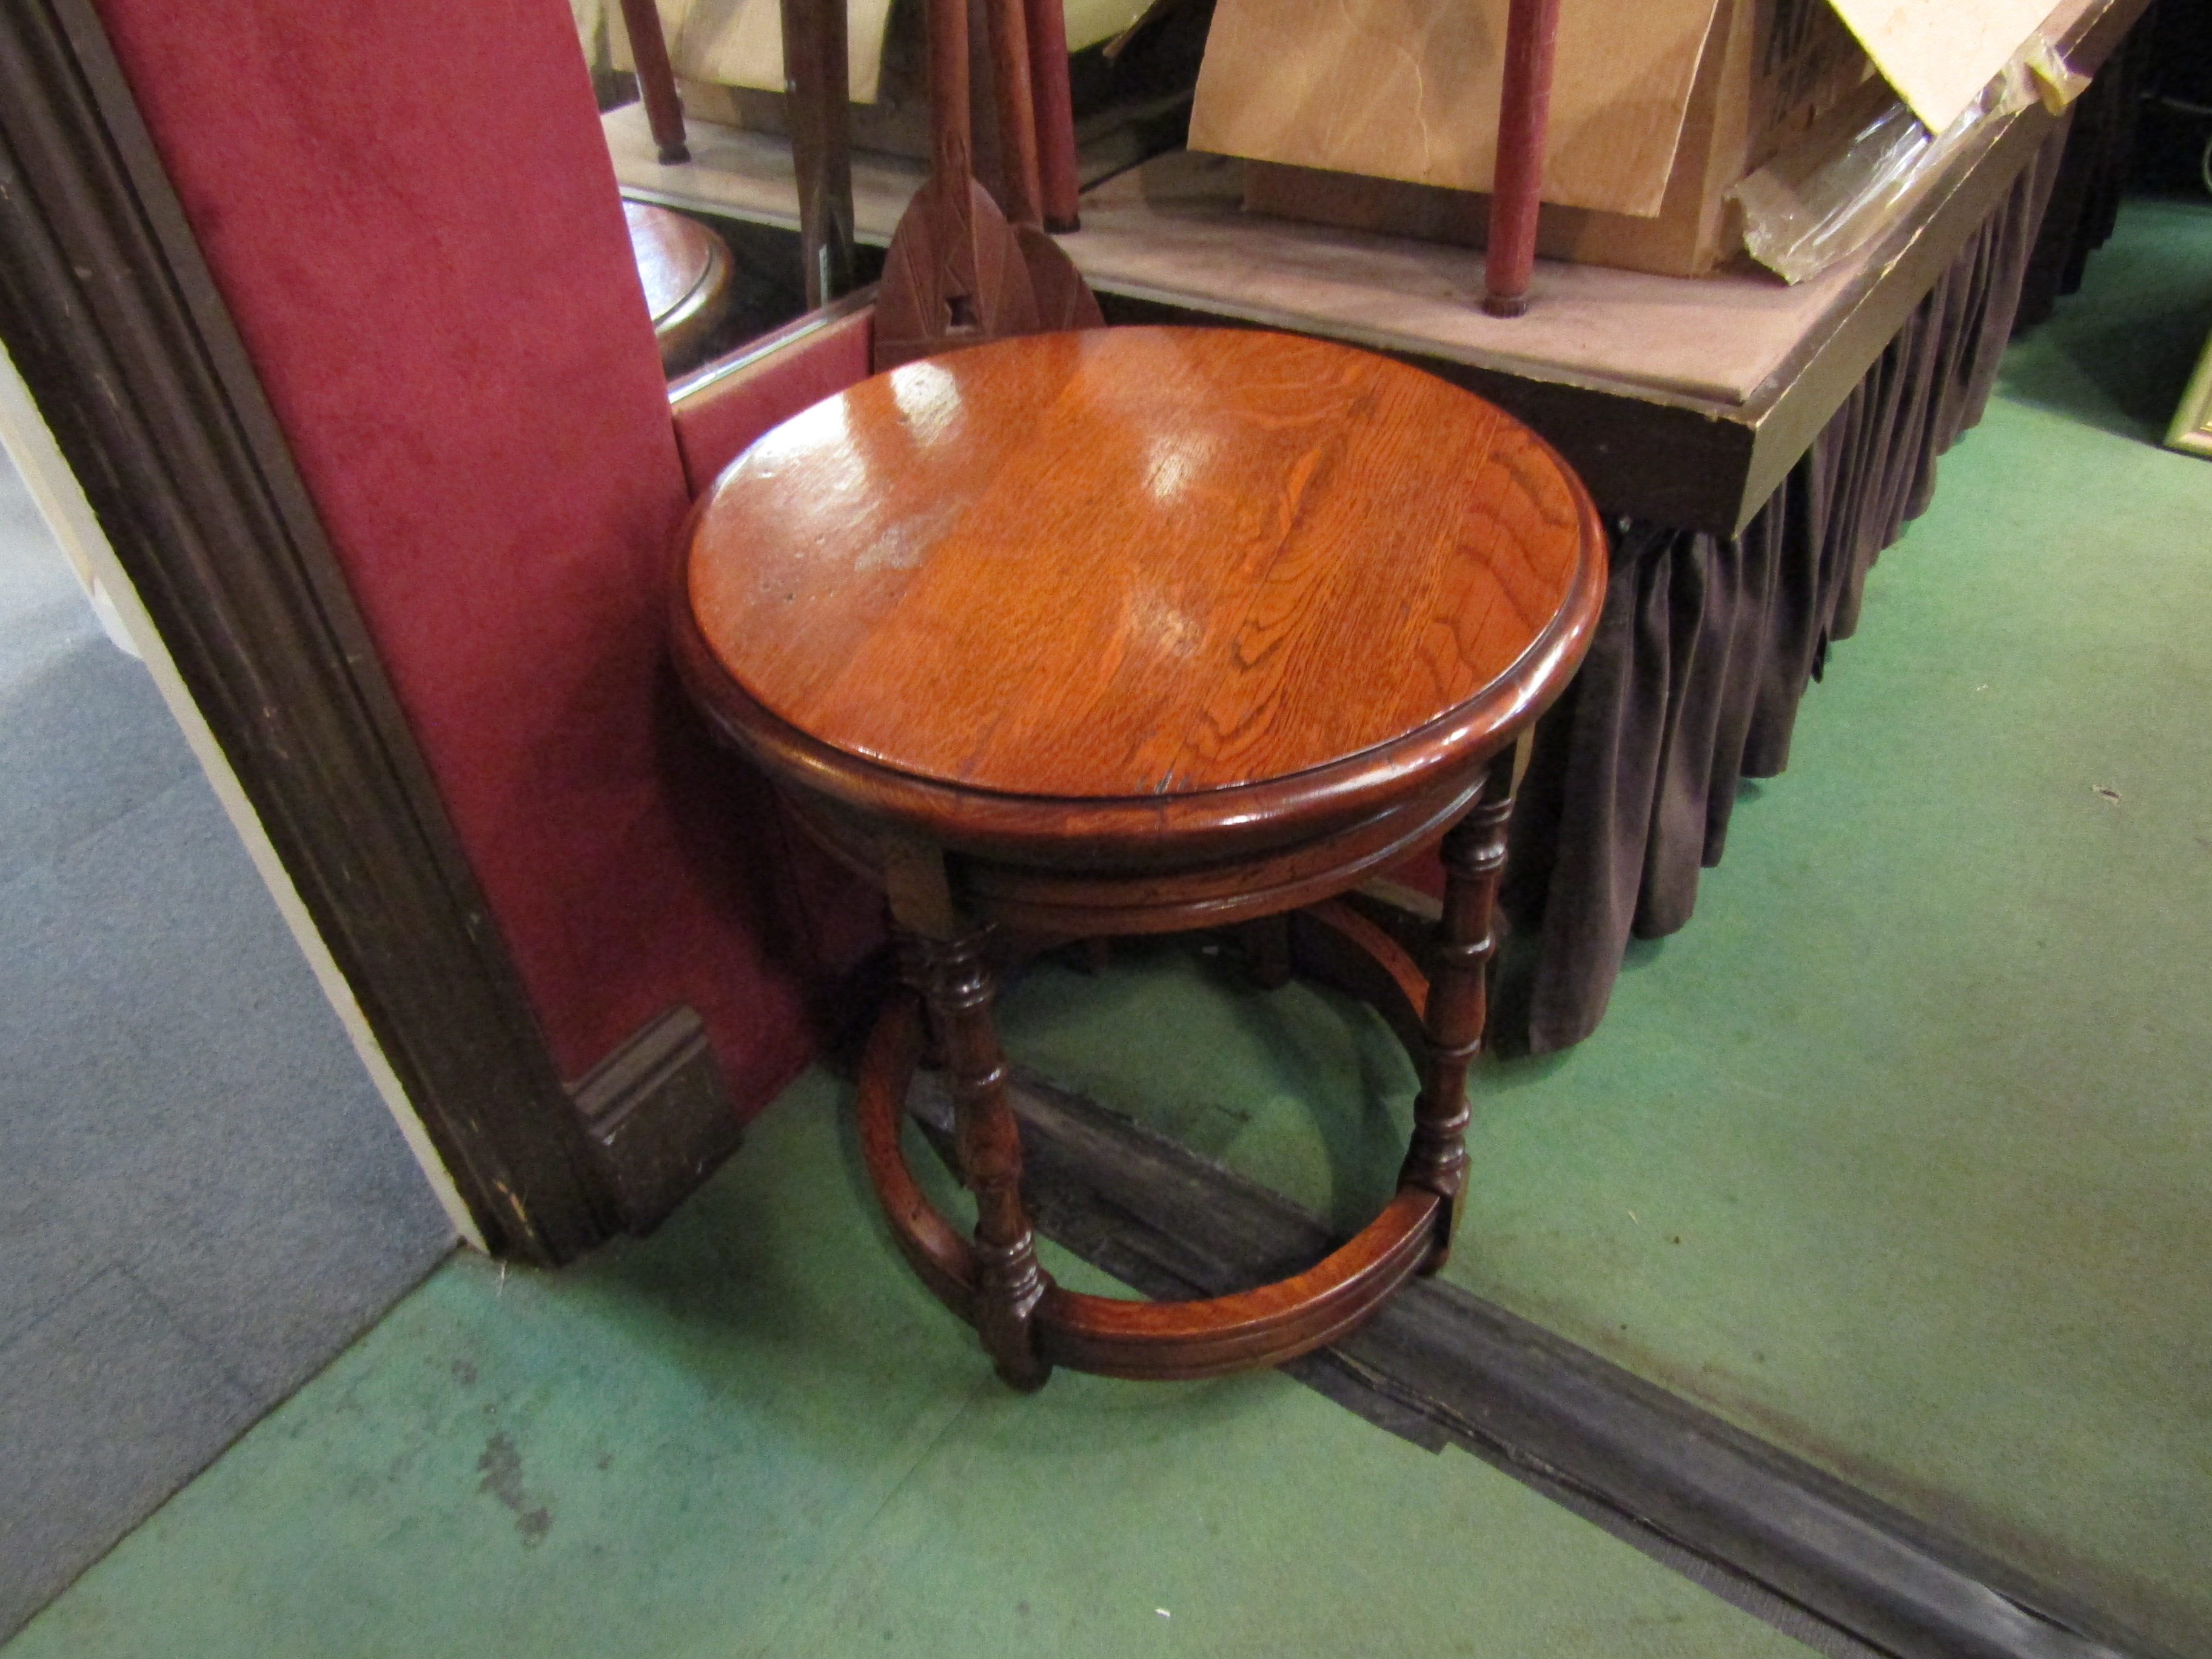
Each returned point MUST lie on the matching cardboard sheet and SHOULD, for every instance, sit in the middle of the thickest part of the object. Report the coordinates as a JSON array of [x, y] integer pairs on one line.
[[1938, 54], [739, 43], [1409, 89], [1089, 21]]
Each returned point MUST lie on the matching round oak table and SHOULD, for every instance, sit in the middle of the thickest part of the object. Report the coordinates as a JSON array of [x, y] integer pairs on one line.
[[1131, 631], [684, 270]]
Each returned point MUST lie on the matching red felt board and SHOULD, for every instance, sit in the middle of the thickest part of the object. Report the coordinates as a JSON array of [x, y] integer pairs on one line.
[[410, 211]]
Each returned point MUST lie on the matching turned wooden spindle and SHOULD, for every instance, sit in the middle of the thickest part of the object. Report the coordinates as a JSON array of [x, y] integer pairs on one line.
[[1047, 28], [1474, 853], [817, 93], [1524, 113], [943, 951], [656, 79], [1016, 109], [957, 987], [1064, 299]]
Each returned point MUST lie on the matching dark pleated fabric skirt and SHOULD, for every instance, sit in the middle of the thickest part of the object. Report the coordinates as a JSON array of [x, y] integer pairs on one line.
[[1706, 643]]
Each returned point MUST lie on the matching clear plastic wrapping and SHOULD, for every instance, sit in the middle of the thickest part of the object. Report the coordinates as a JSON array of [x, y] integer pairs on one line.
[[1858, 168]]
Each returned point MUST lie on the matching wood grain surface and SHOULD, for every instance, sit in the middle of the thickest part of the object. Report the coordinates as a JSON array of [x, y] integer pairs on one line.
[[1133, 563]]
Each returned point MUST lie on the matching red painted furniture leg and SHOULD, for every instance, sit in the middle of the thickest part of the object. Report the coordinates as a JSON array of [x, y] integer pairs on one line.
[[1055, 114], [1524, 115], [656, 79], [1015, 108]]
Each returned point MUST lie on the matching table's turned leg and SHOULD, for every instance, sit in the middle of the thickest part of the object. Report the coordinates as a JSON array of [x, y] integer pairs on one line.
[[1474, 853], [957, 989]]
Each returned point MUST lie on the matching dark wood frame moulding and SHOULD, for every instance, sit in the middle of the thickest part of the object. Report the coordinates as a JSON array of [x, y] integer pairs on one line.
[[116, 326]]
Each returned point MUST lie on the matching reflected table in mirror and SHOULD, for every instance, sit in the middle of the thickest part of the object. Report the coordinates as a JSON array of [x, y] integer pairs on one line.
[[685, 269]]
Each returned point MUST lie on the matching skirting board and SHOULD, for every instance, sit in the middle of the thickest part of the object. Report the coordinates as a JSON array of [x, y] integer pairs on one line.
[[1438, 1364], [658, 1118]]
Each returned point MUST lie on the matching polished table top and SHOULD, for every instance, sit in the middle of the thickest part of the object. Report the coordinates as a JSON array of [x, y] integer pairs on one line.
[[1141, 564]]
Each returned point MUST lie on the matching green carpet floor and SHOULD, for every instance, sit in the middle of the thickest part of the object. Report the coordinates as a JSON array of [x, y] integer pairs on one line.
[[1922, 1091], [1898, 1155], [756, 1435]]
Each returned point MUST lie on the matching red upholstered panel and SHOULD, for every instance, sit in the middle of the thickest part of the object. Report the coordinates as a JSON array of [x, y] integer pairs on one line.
[[720, 409], [410, 211]]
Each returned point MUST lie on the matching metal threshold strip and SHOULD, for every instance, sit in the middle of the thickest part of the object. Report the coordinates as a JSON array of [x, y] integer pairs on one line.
[[1438, 1365]]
